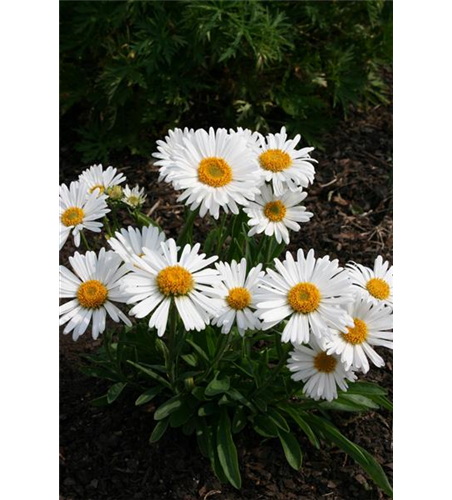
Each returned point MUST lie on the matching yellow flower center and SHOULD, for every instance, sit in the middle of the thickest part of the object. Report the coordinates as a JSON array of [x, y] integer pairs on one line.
[[174, 281], [275, 160], [378, 288], [134, 200], [214, 172], [238, 298], [275, 211], [92, 294], [325, 363], [100, 187], [304, 298], [72, 216], [356, 335]]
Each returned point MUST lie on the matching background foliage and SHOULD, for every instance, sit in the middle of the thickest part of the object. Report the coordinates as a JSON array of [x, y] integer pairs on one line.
[[131, 70]]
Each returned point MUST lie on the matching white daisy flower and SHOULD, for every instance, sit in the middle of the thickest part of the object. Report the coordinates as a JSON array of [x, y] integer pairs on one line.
[[79, 211], [215, 170], [282, 164], [166, 148], [134, 197], [132, 241], [155, 280], [252, 138], [375, 285], [321, 373], [308, 291], [96, 178], [93, 289], [373, 325], [236, 292], [276, 214]]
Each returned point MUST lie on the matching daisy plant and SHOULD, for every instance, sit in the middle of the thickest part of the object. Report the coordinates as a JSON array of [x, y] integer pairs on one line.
[[232, 335]]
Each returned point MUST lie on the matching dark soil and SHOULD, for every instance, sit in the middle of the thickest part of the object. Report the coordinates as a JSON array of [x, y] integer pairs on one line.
[[105, 453]]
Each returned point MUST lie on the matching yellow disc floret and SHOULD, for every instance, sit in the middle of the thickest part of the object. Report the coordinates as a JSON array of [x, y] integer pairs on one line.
[[304, 298], [275, 211], [92, 294], [238, 298], [72, 216], [378, 288], [325, 363], [275, 160], [357, 334], [174, 281], [214, 172]]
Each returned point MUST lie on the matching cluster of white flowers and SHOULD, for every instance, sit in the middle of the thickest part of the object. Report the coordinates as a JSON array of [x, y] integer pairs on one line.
[[84, 202], [333, 316], [224, 170]]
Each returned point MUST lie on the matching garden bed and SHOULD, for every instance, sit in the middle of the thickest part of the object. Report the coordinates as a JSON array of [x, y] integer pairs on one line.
[[105, 453]]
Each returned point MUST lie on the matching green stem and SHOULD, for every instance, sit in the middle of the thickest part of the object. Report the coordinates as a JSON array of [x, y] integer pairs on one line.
[[221, 237], [221, 349], [269, 249], [282, 354], [187, 227], [114, 214], [85, 241], [107, 226], [171, 368]]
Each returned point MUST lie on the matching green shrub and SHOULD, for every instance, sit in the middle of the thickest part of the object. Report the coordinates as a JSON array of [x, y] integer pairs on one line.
[[131, 70]]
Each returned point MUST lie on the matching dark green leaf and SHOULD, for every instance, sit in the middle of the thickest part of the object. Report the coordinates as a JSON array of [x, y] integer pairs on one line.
[[239, 420], [168, 407], [114, 392], [218, 385], [159, 430], [291, 449], [148, 395], [366, 389], [151, 374], [278, 419], [360, 455], [101, 401], [227, 452], [190, 359], [264, 426], [297, 417]]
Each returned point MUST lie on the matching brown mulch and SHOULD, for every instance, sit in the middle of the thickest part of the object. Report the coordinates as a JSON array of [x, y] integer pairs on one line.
[[105, 453]]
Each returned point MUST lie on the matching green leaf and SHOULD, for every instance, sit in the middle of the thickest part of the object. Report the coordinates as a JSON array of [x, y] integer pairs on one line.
[[198, 393], [168, 407], [383, 401], [190, 359], [148, 395], [261, 404], [181, 415], [206, 438], [360, 400], [360, 455], [297, 417], [238, 396], [227, 452], [151, 374], [366, 389], [239, 420], [159, 430], [264, 426], [278, 419], [198, 349], [99, 402], [203, 437], [291, 449], [114, 392], [208, 409], [218, 385]]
